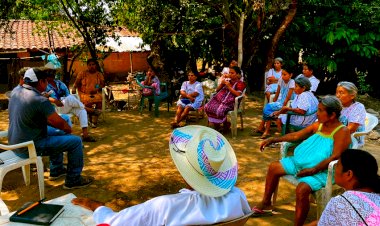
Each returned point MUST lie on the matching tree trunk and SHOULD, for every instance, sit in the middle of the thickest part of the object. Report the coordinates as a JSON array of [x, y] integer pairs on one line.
[[276, 38], [240, 39]]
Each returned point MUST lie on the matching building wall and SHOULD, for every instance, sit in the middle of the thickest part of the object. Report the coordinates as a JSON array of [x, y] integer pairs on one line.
[[117, 65]]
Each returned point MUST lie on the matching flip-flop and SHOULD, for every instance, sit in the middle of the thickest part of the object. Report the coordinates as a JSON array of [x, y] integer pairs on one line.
[[261, 213]]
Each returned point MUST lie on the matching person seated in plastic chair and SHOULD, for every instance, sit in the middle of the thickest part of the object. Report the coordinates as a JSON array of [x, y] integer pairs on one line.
[[272, 77], [208, 164], [223, 101], [51, 131], [226, 72], [30, 113], [151, 80], [322, 142], [353, 113], [304, 103], [356, 171], [90, 84], [61, 97], [283, 95], [191, 98]]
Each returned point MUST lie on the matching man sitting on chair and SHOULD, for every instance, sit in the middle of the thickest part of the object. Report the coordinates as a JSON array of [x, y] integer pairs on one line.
[[61, 97], [207, 163]]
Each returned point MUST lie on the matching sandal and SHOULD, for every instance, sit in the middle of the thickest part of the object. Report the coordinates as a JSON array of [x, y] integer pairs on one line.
[[256, 212], [88, 139]]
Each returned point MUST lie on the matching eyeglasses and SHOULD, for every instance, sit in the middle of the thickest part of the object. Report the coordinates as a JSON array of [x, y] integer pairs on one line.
[[175, 148]]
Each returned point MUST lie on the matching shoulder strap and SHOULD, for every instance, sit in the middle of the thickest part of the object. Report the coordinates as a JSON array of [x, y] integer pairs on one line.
[[336, 130], [320, 127], [355, 210]]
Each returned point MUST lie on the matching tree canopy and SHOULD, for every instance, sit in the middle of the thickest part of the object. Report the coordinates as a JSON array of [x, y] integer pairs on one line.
[[340, 38]]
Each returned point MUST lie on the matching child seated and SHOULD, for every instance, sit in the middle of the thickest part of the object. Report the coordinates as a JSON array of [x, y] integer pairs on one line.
[[283, 94]]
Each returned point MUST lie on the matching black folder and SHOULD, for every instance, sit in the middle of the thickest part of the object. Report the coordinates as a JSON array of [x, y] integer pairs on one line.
[[42, 214]]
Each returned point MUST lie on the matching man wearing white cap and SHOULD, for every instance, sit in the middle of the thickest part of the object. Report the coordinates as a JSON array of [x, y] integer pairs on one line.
[[29, 115], [67, 103], [208, 165]]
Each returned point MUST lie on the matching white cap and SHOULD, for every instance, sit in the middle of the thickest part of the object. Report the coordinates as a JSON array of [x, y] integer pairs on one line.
[[31, 75]]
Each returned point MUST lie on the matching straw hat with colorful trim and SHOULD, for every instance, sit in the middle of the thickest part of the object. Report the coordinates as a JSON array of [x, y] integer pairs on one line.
[[205, 159]]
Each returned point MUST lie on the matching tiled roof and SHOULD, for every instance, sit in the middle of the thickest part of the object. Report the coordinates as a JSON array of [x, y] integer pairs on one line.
[[23, 35]]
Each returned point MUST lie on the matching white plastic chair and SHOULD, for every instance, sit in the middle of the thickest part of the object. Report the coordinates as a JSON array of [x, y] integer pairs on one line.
[[238, 110], [371, 122], [321, 196], [12, 161]]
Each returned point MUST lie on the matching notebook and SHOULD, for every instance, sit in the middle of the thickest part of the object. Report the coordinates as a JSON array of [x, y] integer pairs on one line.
[[42, 214]]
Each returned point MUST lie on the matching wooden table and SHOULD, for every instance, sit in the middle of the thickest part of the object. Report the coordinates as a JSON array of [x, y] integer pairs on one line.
[[72, 215]]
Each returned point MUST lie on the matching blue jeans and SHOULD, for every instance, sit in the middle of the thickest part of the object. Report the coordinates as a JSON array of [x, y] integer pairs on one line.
[[54, 146], [51, 131]]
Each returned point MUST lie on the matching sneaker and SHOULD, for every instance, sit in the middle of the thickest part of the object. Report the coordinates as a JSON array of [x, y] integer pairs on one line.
[[60, 174], [83, 182]]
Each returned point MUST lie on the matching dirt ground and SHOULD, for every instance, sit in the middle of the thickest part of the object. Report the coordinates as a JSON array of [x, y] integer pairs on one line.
[[131, 163]]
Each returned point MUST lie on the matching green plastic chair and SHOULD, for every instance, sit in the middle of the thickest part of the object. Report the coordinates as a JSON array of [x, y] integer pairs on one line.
[[292, 128], [156, 99]]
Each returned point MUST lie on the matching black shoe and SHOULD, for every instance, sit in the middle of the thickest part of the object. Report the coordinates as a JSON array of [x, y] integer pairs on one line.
[[83, 182], [88, 139], [60, 174]]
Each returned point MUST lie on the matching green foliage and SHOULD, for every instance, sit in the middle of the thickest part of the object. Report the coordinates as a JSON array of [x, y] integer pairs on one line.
[[363, 86], [336, 36]]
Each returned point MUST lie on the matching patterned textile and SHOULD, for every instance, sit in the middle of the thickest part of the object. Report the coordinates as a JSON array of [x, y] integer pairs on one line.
[[310, 153], [191, 88], [89, 83], [305, 101], [223, 102], [339, 212], [355, 113]]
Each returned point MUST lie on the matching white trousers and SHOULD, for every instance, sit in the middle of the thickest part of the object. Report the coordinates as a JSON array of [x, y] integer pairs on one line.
[[72, 105]]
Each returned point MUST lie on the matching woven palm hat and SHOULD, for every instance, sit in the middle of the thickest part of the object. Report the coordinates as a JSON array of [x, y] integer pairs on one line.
[[205, 159]]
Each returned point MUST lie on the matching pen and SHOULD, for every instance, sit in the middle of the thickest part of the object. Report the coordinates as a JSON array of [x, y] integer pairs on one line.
[[30, 207]]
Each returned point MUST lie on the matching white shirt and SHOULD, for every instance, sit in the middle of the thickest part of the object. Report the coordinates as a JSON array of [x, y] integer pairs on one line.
[[185, 208], [307, 102], [192, 88], [313, 80]]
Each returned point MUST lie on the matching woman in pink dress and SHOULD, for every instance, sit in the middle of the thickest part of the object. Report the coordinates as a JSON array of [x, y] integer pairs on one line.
[[223, 102]]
